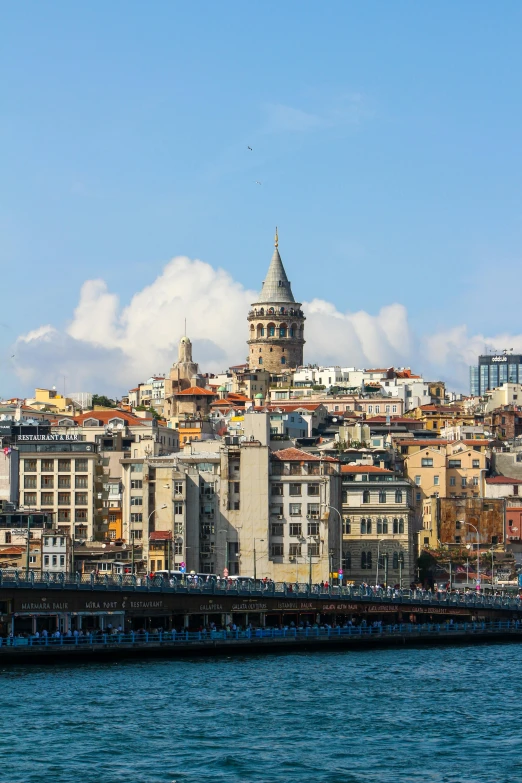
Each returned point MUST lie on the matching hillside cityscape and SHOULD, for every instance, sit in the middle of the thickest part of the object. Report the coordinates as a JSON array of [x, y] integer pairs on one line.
[[272, 469]]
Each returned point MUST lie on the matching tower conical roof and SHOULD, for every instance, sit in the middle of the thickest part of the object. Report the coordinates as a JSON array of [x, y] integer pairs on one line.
[[276, 285]]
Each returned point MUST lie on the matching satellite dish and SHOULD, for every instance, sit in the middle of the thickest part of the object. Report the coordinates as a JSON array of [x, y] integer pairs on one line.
[[124, 546], [103, 546]]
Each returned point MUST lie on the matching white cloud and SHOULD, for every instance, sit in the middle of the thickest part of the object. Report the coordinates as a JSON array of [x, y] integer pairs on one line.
[[109, 348]]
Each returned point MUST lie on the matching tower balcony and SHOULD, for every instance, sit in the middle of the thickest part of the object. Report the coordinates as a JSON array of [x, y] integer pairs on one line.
[[272, 313], [276, 340]]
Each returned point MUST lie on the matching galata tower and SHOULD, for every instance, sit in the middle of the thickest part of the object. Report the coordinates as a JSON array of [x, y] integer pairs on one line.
[[276, 322]]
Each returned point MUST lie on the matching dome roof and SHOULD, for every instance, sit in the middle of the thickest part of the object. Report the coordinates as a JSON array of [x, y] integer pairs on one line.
[[222, 388], [258, 396]]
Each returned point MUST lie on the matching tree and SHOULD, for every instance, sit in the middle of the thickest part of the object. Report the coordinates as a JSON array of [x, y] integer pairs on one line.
[[101, 399]]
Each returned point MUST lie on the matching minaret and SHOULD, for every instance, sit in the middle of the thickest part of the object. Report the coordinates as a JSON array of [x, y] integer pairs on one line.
[[276, 322]]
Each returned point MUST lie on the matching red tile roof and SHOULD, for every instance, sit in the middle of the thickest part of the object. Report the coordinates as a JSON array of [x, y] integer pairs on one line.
[[292, 455], [105, 416], [195, 391], [364, 469], [160, 535], [12, 550], [503, 480]]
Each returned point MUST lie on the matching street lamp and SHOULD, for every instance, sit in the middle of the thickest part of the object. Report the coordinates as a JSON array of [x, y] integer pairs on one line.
[[332, 508], [255, 562], [379, 542], [478, 550], [314, 539], [132, 531]]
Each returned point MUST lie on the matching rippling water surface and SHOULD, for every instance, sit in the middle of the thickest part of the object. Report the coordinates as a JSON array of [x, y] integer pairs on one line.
[[432, 715]]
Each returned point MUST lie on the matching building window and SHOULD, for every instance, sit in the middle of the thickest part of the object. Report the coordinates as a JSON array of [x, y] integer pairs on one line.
[[295, 528], [64, 482], [347, 526], [464, 481], [80, 498], [295, 489], [418, 497], [81, 465], [136, 467], [136, 501], [46, 560], [394, 409], [476, 463], [136, 518], [47, 499], [366, 560], [366, 526], [112, 518], [366, 496], [178, 487], [277, 550], [313, 510], [137, 535], [382, 526], [347, 560], [427, 462], [47, 466], [452, 481], [47, 482], [435, 481], [64, 466], [457, 539], [30, 465], [476, 481], [80, 515], [30, 482], [398, 496], [313, 489], [277, 529], [382, 496], [178, 509], [418, 480], [277, 489], [295, 509], [454, 463], [260, 360], [313, 528], [313, 550], [295, 550]]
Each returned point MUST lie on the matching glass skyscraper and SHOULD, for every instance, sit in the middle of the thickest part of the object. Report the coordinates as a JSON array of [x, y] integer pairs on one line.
[[494, 370]]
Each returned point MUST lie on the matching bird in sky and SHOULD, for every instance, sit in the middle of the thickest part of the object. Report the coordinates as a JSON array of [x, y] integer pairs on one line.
[[250, 148], [257, 182]]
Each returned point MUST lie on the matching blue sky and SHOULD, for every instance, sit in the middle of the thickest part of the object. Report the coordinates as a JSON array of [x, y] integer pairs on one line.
[[386, 137]]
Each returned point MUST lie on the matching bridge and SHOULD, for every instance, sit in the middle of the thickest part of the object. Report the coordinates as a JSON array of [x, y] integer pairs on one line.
[[31, 602]]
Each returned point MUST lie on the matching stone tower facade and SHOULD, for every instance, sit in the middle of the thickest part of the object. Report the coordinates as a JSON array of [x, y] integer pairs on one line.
[[181, 371], [276, 323]]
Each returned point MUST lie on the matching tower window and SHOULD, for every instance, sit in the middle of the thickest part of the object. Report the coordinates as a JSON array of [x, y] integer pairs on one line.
[[260, 360], [283, 360], [271, 331], [282, 332]]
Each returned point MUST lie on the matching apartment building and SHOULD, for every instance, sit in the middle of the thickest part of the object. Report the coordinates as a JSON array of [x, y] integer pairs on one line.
[[62, 475], [378, 526], [304, 537]]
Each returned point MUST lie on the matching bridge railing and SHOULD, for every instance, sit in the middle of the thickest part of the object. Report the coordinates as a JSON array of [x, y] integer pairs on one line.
[[260, 587], [290, 633]]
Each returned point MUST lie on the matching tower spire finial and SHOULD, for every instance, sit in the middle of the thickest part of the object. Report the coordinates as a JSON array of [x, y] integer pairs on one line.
[[276, 240]]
